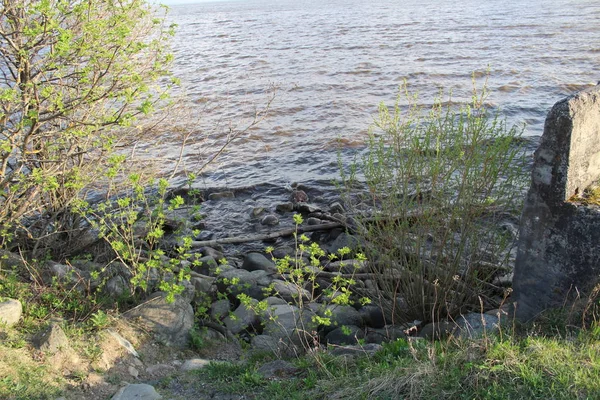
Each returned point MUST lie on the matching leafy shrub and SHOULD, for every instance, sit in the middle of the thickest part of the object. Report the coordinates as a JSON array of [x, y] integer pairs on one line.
[[439, 182]]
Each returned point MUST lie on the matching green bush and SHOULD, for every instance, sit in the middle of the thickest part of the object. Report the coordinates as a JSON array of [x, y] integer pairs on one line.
[[438, 182]]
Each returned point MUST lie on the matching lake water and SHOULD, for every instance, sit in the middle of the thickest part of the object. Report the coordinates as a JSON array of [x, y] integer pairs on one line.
[[333, 61]]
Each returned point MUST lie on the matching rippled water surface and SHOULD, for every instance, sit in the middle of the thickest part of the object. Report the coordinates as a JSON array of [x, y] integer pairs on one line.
[[333, 61]]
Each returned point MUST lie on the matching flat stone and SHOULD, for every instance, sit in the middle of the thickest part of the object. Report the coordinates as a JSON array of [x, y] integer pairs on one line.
[[10, 312], [356, 350], [137, 391], [285, 207], [194, 364]]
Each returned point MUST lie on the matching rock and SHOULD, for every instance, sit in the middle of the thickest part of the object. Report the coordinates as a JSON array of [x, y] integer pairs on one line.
[[281, 321], [270, 220], [336, 208], [282, 251], [558, 258], [298, 196], [203, 284], [51, 340], [116, 286], [285, 207], [306, 208], [279, 347], [248, 282], [257, 211], [205, 265], [372, 316], [313, 221], [272, 301], [160, 369], [133, 371], [170, 322], [343, 335], [194, 364], [210, 252], [278, 369], [367, 349], [10, 312], [220, 309], [343, 315], [221, 195], [256, 261], [475, 325], [438, 330], [10, 260], [137, 391], [242, 319], [289, 291], [344, 240], [385, 334], [204, 235]]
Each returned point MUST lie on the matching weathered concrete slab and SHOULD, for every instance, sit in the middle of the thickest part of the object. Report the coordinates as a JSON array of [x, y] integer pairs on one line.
[[559, 241]]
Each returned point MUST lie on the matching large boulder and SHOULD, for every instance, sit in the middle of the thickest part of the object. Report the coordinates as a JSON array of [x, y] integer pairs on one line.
[[558, 255]]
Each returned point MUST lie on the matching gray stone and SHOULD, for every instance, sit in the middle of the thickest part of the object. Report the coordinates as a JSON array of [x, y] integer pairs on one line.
[[285, 207], [357, 350], [221, 196], [284, 320], [247, 282], [372, 316], [51, 339], [336, 208], [344, 315], [438, 330], [257, 211], [270, 220], [344, 335], [10, 312], [257, 261], [282, 251], [10, 260], [160, 369], [278, 369], [298, 196], [289, 291], [170, 322], [243, 318], [559, 241], [344, 240], [275, 301], [313, 221], [205, 235], [474, 325], [306, 208], [137, 391], [194, 364], [203, 284], [206, 265], [278, 346], [388, 333], [220, 309], [116, 286]]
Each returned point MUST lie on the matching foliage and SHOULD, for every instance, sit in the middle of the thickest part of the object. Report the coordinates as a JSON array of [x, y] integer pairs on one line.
[[303, 271], [73, 74], [134, 225], [440, 183]]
